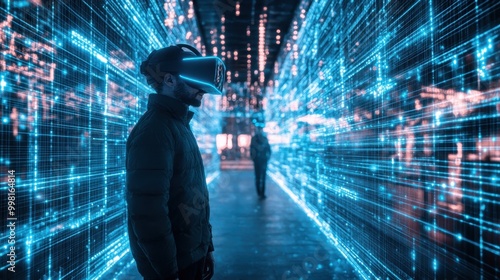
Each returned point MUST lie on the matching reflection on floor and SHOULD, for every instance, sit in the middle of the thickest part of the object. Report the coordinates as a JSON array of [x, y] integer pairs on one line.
[[264, 239]]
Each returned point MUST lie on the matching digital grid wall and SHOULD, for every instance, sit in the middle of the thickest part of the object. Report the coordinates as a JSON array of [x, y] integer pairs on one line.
[[70, 93], [385, 121]]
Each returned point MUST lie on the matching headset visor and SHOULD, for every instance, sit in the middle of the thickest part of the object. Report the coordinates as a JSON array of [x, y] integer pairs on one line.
[[206, 73]]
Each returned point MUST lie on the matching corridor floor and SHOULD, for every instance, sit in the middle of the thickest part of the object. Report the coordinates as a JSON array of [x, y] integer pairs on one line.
[[265, 239]]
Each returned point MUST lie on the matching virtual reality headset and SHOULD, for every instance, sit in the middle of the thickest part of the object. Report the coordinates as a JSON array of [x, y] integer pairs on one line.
[[205, 73]]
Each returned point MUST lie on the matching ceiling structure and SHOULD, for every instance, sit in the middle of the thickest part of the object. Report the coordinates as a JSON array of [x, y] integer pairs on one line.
[[231, 27]]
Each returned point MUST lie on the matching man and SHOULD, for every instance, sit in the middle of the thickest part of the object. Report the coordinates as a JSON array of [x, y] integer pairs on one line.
[[167, 198], [260, 151]]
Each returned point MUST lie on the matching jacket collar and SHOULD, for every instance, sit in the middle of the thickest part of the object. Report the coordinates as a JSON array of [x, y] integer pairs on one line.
[[171, 105]]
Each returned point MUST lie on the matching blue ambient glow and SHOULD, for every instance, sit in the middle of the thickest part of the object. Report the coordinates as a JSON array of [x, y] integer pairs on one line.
[[71, 92], [389, 112], [385, 117]]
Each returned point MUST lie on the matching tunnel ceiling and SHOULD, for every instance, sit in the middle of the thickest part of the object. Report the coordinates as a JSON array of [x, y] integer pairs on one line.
[[279, 16]]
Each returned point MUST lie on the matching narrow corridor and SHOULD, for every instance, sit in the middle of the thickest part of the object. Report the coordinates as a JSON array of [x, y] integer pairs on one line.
[[264, 239]]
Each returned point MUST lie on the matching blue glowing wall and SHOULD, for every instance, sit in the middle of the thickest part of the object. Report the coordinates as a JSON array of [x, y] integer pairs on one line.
[[70, 94], [385, 121]]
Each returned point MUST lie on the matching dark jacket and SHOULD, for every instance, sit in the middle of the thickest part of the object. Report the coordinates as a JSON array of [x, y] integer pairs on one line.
[[166, 192], [260, 150]]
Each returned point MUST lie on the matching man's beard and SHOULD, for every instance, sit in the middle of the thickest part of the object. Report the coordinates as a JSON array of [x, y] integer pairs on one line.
[[181, 92]]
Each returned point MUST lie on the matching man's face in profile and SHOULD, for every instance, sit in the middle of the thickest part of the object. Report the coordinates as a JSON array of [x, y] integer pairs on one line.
[[189, 95]]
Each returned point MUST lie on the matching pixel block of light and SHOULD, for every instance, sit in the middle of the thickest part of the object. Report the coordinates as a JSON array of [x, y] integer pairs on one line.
[[70, 94], [385, 123]]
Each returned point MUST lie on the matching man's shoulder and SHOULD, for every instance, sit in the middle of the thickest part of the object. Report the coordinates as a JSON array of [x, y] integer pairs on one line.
[[152, 126], [156, 118]]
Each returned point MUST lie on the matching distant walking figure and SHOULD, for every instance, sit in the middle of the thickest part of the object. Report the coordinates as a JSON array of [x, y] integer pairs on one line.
[[260, 151]]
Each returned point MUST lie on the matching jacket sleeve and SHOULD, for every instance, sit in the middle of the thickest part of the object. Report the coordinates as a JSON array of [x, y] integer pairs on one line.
[[149, 170], [252, 148], [268, 150], [211, 244]]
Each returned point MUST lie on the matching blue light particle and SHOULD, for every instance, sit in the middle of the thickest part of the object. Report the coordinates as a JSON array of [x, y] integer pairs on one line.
[[3, 84]]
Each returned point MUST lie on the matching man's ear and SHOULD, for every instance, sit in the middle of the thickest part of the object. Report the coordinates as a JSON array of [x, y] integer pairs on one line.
[[170, 80]]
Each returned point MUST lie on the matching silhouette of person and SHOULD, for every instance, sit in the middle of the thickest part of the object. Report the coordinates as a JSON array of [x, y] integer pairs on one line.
[[260, 152], [167, 198]]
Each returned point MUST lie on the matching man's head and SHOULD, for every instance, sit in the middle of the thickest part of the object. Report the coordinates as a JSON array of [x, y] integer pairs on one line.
[[183, 74], [259, 130]]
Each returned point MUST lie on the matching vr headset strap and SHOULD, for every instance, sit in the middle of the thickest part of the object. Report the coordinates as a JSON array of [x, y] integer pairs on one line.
[[191, 48]]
